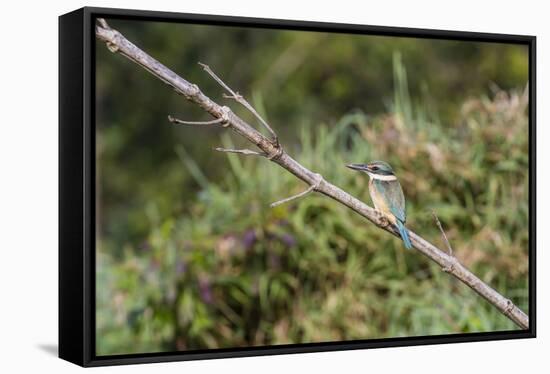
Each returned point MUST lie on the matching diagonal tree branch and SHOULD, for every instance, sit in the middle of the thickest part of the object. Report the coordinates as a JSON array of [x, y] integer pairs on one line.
[[117, 43]]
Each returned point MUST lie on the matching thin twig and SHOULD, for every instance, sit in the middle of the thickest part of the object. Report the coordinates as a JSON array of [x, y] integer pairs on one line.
[[240, 99], [313, 187], [195, 123], [246, 152], [303, 193], [191, 92], [447, 243]]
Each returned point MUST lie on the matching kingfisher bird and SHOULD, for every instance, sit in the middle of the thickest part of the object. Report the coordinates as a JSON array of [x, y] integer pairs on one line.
[[386, 194]]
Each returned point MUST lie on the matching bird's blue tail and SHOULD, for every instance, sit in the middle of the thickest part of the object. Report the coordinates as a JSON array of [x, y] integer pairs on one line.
[[404, 234]]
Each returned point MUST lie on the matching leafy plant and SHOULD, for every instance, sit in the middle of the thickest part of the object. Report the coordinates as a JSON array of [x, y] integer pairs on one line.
[[229, 271]]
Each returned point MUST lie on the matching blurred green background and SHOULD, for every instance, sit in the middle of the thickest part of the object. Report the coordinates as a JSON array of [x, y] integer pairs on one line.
[[189, 254]]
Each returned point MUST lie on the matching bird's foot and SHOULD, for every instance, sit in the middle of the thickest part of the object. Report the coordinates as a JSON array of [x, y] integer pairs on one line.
[[384, 221]]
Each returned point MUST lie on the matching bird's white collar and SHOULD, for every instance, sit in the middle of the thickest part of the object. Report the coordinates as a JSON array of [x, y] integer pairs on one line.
[[385, 178]]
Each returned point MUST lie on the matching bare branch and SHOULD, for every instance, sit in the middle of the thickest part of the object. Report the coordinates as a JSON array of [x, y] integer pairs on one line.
[[246, 152], [240, 99], [276, 154], [118, 43]]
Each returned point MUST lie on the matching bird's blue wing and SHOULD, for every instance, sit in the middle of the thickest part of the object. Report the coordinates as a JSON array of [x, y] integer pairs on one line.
[[395, 198]]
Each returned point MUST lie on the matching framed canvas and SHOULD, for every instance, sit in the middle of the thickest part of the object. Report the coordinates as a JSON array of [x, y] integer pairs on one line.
[[235, 186]]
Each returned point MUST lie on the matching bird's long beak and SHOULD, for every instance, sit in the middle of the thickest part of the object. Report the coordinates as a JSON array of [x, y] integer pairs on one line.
[[360, 167]]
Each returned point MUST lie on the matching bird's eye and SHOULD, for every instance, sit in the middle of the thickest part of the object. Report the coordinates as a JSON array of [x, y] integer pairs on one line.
[[374, 167]]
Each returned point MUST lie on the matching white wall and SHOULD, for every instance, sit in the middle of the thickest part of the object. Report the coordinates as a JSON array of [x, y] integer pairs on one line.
[[28, 184]]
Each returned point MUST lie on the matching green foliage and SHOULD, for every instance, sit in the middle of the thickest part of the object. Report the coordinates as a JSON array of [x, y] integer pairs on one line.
[[189, 254], [233, 272]]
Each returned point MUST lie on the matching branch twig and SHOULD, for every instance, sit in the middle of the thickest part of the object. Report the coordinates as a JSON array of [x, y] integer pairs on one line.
[[241, 100], [119, 44], [246, 152], [447, 243], [195, 123], [311, 188], [449, 268]]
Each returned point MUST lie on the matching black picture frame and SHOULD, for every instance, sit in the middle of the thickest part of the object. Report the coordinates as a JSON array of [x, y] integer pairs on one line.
[[76, 186]]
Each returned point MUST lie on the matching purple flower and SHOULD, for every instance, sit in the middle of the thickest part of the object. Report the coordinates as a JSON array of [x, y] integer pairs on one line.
[[181, 267], [289, 240], [283, 222], [205, 291], [249, 239]]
